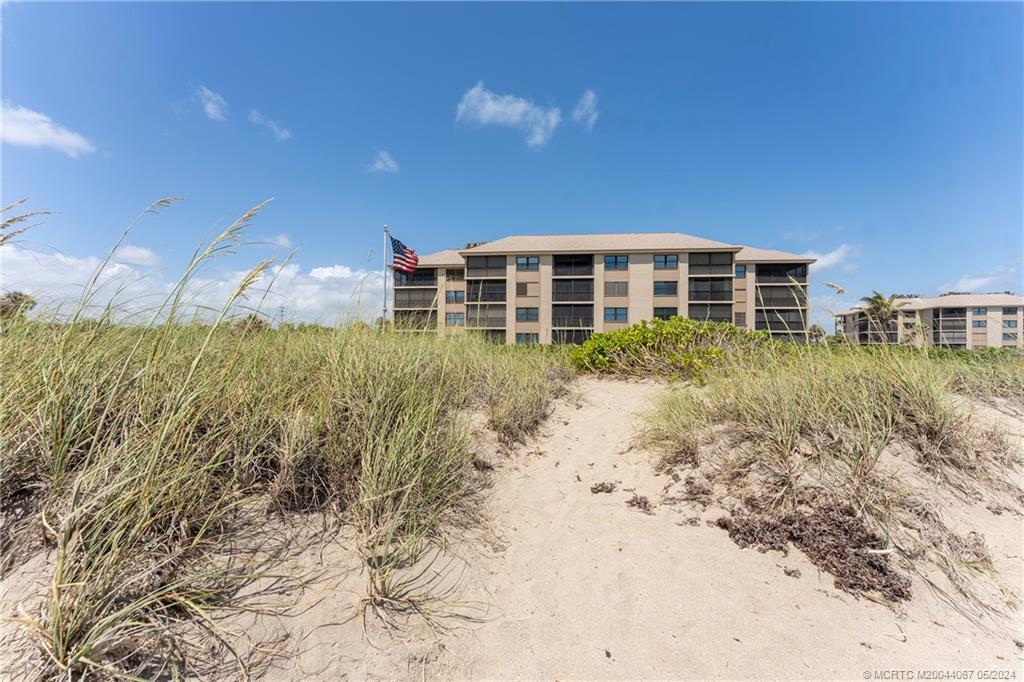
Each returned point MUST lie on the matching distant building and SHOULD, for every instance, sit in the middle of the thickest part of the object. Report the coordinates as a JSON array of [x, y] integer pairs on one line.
[[951, 320], [562, 288]]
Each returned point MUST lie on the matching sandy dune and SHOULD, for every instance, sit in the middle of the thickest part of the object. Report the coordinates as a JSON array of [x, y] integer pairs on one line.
[[582, 586], [590, 588]]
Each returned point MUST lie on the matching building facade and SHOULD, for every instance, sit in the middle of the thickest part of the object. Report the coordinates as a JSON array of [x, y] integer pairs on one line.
[[951, 321], [562, 288]]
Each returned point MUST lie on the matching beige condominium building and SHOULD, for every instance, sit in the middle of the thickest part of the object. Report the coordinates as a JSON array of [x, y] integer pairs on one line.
[[951, 320], [562, 288]]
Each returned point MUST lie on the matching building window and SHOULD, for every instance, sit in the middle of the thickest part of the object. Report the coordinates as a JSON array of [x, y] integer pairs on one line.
[[615, 315], [665, 313], [522, 289], [455, 319], [455, 297], [1009, 336], [981, 311], [527, 262], [1009, 311], [666, 261], [616, 262], [978, 324], [455, 275], [1010, 324], [666, 288], [527, 314], [527, 338], [616, 289], [741, 272], [740, 319]]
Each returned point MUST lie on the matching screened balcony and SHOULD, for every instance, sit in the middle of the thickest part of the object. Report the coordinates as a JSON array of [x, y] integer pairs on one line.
[[710, 312], [574, 265], [485, 266], [572, 290], [415, 298], [485, 291], [572, 316], [781, 273], [711, 289], [711, 263], [485, 316], [424, 277]]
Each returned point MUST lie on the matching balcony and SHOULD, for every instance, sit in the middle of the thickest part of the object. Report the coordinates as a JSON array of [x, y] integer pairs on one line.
[[418, 278], [485, 291], [573, 266], [415, 298], [710, 312], [485, 266], [572, 316], [415, 319], [572, 290], [570, 336], [781, 297], [719, 289], [779, 320], [485, 316], [711, 264], [782, 273]]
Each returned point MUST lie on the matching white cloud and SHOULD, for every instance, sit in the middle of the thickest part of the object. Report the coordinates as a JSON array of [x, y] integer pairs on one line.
[[1003, 277], [483, 107], [280, 240], [214, 105], [383, 163], [136, 255], [26, 128], [837, 256], [279, 131], [586, 110], [323, 294]]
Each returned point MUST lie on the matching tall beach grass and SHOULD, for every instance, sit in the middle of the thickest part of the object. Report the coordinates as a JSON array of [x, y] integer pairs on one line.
[[139, 459]]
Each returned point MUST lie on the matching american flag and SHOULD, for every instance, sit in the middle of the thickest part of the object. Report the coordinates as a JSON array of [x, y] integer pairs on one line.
[[405, 259]]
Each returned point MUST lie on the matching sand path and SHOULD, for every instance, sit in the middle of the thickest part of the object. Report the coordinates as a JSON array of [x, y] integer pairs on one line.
[[590, 588]]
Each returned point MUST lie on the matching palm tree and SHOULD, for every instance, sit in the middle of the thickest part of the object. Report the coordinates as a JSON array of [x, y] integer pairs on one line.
[[815, 333], [881, 311]]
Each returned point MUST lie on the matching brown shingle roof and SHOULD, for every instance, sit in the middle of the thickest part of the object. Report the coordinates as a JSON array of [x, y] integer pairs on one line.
[[597, 243], [952, 301], [441, 258], [749, 254]]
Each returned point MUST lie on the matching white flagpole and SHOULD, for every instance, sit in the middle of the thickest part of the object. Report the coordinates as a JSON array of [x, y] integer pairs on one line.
[[384, 257]]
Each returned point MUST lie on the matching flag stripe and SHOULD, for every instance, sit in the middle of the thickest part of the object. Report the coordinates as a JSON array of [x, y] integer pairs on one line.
[[404, 259]]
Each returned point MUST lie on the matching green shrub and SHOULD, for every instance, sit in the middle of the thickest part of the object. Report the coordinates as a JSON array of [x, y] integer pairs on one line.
[[677, 347]]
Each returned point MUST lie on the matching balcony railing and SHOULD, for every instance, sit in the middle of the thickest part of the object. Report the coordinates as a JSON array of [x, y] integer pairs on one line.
[[780, 297], [710, 269], [710, 295]]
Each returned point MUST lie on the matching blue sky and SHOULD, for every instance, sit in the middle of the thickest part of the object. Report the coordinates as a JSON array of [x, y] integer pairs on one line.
[[886, 137]]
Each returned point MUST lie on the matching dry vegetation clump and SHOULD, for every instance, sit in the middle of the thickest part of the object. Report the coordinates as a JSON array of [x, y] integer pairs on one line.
[[805, 437], [142, 461]]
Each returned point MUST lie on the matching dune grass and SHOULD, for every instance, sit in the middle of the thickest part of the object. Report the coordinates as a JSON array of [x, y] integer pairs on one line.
[[796, 427], [141, 459]]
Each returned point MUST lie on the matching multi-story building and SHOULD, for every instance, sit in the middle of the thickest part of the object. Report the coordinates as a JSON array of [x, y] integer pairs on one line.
[[952, 320], [562, 288]]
